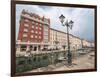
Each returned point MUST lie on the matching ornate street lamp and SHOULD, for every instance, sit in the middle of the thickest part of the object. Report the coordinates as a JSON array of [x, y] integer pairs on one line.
[[68, 25]]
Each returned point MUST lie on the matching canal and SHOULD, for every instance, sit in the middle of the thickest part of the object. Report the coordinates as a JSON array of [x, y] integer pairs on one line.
[[34, 61], [37, 60]]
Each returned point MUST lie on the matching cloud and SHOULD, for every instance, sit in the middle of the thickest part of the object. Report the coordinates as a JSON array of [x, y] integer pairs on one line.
[[83, 18]]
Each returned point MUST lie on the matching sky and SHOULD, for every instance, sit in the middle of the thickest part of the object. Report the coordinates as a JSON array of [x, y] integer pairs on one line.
[[83, 18]]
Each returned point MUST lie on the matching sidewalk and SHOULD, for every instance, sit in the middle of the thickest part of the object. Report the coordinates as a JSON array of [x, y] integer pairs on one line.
[[83, 62]]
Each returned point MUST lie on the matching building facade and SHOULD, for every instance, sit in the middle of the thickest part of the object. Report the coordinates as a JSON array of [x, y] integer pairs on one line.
[[35, 34], [57, 39], [75, 42], [86, 43], [34, 31]]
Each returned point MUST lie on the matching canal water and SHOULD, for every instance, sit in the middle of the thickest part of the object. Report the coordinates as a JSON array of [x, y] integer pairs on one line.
[[24, 64]]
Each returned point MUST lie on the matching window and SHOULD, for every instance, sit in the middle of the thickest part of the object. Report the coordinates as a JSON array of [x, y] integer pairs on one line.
[[32, 26], [39, 32], [46, 37], [36, 23], [36, 32], [39, 37], [26, 25], [36, 27], [46, 34], [32, 31], [45, 30], [24, 35], [40, 28], [46, 41], [31, 36], [25, 30], [35, 36], [40, 24]]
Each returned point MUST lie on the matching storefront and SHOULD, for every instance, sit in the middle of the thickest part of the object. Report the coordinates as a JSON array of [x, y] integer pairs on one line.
[[28, 46]]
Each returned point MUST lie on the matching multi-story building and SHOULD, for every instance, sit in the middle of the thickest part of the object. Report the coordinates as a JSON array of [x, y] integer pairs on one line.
[[75, 42], [34, 31], [86, 43], [35, 34], [57, 38]]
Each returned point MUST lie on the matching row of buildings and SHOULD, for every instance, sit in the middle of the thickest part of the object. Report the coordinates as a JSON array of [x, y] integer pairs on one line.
[[35, 34]]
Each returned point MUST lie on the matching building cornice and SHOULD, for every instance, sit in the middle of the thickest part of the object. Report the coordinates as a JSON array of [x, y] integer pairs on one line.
[[31, 18]]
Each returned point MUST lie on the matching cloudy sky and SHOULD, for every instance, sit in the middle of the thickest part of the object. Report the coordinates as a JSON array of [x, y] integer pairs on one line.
[[83, 18]]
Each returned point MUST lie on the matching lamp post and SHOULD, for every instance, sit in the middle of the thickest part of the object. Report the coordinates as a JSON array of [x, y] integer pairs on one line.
[[68, 25]]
